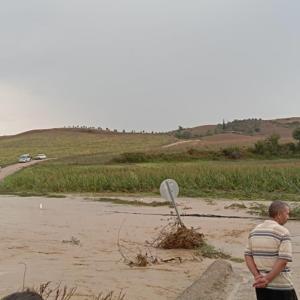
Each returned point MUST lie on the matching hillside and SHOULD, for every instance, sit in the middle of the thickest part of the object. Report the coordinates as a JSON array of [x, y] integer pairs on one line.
[[92, 146], [238, 132], [78, 145], [248, 127]]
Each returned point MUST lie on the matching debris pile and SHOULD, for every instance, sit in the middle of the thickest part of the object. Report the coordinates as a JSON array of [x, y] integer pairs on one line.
[[175, 236], [143, 260]]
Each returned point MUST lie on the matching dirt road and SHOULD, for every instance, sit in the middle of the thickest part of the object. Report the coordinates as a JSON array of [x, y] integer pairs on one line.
[[38, 232], [6, 171]]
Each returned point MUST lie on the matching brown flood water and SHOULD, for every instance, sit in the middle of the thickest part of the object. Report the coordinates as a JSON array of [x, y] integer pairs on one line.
[[34, 236]]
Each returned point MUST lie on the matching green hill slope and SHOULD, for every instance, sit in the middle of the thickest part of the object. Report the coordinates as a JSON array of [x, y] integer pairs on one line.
[[74, 145]]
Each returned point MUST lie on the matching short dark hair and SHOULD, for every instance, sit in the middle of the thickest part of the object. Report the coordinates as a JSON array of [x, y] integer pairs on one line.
[[276, 207], [28, 295]]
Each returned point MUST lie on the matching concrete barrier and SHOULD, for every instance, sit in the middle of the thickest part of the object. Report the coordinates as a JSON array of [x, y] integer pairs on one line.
[[213, 283]]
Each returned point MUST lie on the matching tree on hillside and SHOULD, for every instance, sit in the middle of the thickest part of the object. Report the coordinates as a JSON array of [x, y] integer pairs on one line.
[[296, 134], [223, 125], [269, 146], [273, 139]]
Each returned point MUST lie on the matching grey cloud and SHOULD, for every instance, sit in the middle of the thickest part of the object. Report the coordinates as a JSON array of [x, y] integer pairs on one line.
[[152, 64]]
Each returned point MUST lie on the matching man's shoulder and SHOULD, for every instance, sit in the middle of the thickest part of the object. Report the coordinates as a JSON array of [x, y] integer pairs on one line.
[[271, 226], [276, 227], [281, 229]]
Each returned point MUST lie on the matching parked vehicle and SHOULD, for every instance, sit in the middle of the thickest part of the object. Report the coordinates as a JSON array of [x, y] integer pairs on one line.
[[40, 156], [24, 158]]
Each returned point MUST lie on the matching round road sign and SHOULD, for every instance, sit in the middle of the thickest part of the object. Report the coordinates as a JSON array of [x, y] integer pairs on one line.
[[169, 186]]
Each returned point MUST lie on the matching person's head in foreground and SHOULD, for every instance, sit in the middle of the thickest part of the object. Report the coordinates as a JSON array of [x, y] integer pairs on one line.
[[28, 295], [279, 211]]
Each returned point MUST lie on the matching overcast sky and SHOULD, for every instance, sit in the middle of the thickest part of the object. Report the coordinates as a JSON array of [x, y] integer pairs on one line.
[[147, 64]]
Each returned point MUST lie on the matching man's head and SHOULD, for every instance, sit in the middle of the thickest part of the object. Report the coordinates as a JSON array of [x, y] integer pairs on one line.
[[27, 295], [279, 211]]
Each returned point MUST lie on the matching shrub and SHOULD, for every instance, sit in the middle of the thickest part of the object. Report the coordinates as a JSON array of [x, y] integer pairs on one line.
[[296, 134], [183, 134], [270, 146], [232, 152]]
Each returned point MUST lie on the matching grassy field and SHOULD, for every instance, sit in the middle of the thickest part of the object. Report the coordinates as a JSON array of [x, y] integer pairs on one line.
[[77, 146], [278, 179]]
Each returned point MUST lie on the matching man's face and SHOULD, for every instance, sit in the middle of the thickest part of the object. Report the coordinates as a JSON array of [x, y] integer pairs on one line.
[[284, 215]]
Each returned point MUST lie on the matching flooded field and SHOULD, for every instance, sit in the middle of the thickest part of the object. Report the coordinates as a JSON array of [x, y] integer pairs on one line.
[[74, 240]]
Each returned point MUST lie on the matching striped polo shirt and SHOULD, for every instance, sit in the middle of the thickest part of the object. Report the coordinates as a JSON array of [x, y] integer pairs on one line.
[[266, 243]]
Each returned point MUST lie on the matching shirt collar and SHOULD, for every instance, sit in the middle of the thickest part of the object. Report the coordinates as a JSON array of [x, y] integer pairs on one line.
[[272, 221]]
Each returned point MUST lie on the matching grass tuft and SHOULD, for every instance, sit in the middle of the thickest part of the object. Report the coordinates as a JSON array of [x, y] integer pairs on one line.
[[236, 206], [258, 209], [209, 251], [295, 211]]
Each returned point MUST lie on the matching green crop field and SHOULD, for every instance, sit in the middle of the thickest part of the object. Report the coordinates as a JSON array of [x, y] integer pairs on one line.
[[242, 180]]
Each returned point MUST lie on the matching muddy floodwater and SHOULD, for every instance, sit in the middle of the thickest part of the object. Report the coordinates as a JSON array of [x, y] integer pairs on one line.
[[74, 240]]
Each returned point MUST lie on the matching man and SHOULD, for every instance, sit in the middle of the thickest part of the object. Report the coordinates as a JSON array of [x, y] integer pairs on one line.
[[267, 254]]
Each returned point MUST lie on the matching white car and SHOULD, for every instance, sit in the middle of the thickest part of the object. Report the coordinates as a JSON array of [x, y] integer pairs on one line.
[[24, 158], [40, 156]]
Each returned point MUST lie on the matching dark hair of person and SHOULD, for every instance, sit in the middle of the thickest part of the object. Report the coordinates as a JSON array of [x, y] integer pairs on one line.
[[276, 207], [27, 295]]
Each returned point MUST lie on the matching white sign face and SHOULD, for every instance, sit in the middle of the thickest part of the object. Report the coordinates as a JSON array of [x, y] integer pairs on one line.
[[169, 186]]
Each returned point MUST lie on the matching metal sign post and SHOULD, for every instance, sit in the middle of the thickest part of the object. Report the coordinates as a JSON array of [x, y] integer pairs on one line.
[[169, 190]]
